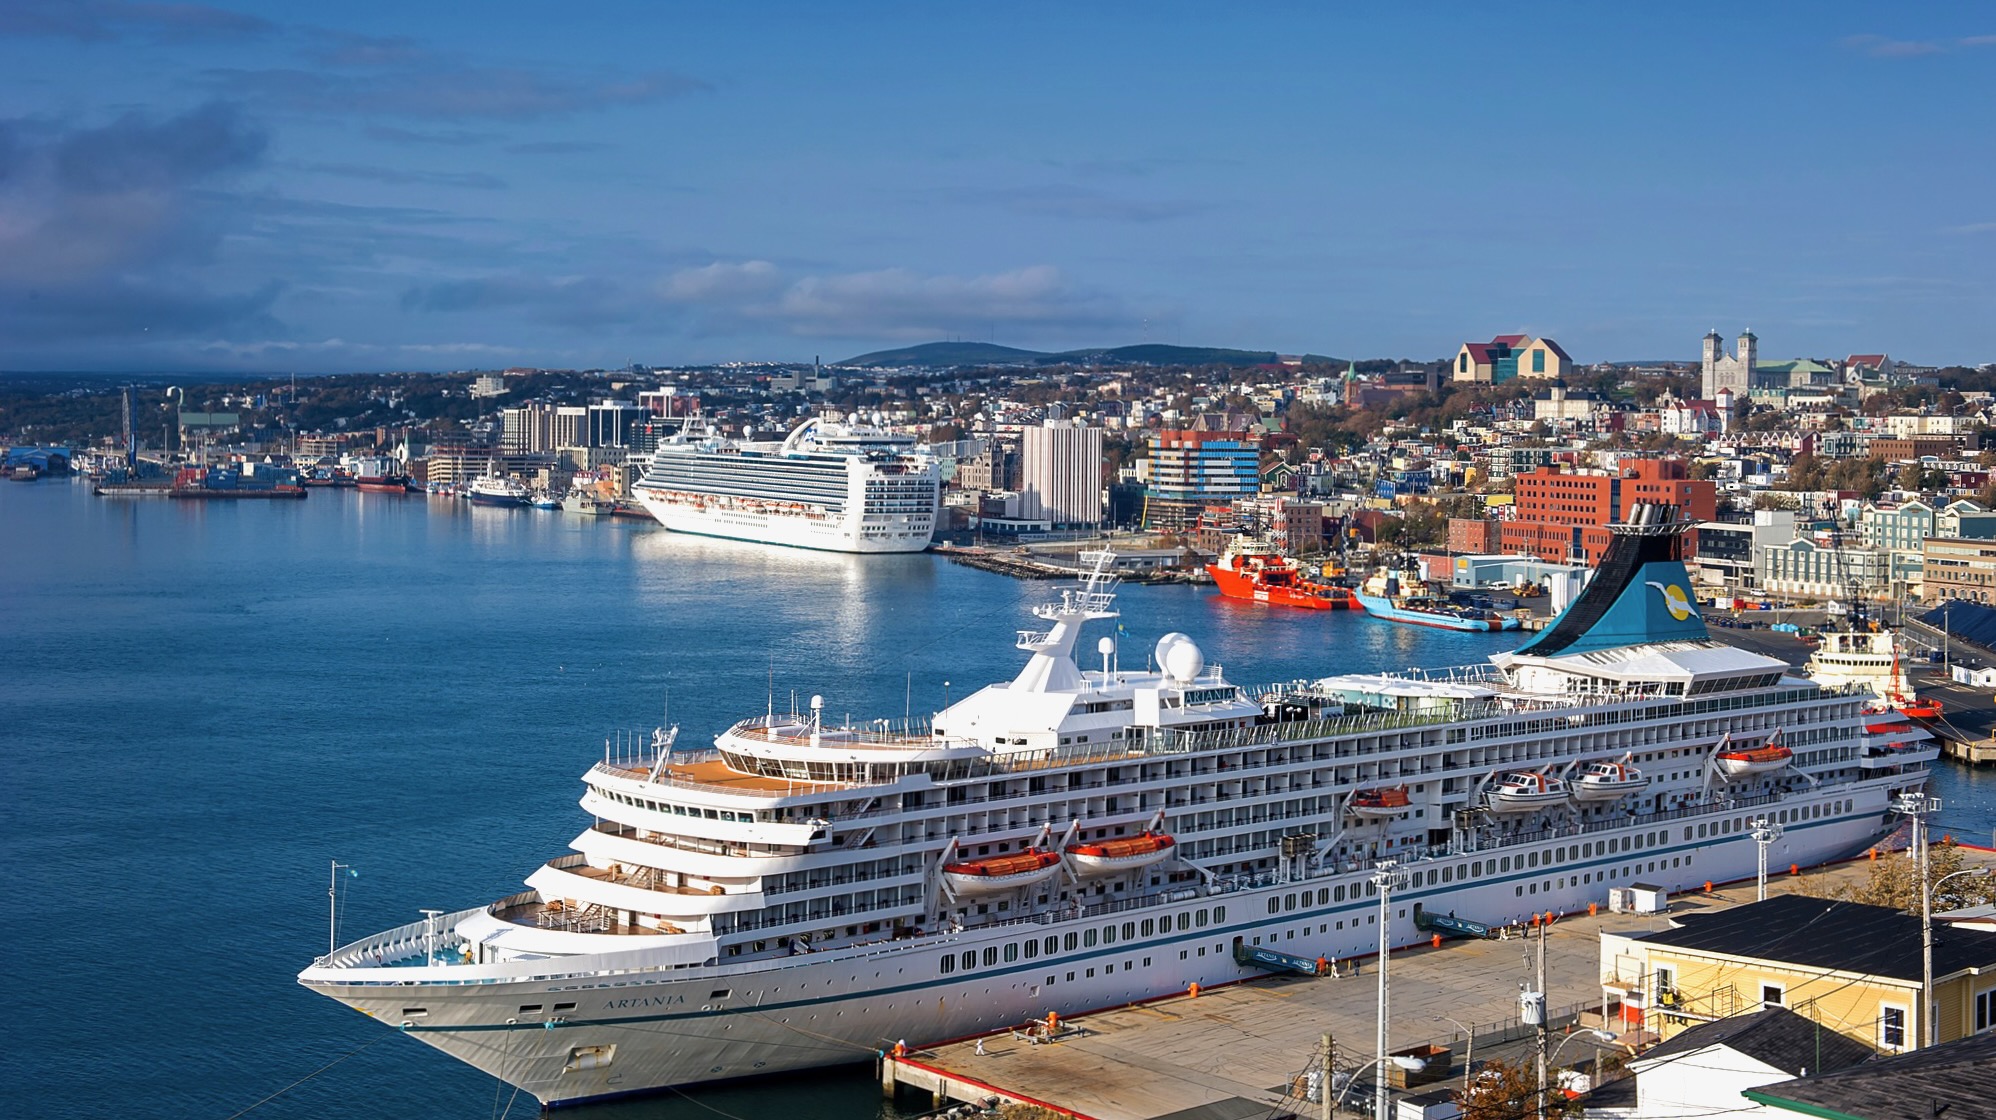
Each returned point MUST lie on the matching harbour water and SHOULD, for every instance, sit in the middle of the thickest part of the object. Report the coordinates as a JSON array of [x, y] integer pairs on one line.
[[204, 704]]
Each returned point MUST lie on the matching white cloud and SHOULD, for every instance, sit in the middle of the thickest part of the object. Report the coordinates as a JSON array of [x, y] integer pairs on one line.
[[885, 303]]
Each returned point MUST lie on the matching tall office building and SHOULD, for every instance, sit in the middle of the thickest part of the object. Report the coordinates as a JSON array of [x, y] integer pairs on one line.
[[1060, 474], [571, 426], [610, 423], [529, 428], [1190, 470]]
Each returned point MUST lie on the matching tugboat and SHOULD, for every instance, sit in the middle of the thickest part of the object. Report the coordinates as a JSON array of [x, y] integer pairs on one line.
[[1397, 597], [491, 490], [1253, 568]]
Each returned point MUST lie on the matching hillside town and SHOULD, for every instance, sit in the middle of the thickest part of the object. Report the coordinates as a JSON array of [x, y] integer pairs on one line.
[[1812, 479]]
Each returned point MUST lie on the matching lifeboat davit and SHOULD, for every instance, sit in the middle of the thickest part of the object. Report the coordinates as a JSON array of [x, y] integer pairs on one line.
[[1754, 760], [1106, 857], [1524, 792], [1608, 781], [1001, 873], [1381, 802]]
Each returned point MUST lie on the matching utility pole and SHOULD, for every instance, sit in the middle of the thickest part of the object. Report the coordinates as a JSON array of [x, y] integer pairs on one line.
[[1544, 1087], [1324, 1094]]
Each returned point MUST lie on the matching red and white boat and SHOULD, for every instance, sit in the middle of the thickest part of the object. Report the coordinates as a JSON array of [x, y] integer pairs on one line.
[[1106, 857], [1253, 568], [1386, 802], [1526, 791], [1741, 762], [1608, 781], [1001, 873]]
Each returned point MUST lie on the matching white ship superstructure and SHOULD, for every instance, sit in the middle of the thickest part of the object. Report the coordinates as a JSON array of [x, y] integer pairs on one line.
[[842, 487], [805, 894]]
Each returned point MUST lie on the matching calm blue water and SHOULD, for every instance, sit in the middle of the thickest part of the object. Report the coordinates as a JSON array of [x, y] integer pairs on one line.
[[202, 704]]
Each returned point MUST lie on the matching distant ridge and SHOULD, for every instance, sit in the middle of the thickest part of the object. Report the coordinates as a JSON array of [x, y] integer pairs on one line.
[[948, 354], [985, 353]]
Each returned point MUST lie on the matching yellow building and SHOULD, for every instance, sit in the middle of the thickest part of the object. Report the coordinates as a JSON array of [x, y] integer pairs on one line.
[[1845, 966]]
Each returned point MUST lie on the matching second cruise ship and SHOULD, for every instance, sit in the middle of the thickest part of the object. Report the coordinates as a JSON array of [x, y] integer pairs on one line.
[[805, 894], [841, 487]]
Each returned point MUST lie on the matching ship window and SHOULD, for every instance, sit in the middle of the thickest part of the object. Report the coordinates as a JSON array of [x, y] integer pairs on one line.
[[969, 959], [1274, 904], [1149, 927], [421, 1012], [990, 956], [1032, 949], [1129, 930], [1011, 952], [530, 1009], [1201, 918], [1109, 935], [1338, 893], [1184, 921], [948, 964], [1289, 902], [560, 1007], [717, 993], [1088, 938], [1052, 946], [1071, 941], [1219, 913]]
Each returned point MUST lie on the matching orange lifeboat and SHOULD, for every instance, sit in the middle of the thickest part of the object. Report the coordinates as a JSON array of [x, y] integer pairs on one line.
[[1105, 857], [1756, 760], [1381, 802], [1001, 873]]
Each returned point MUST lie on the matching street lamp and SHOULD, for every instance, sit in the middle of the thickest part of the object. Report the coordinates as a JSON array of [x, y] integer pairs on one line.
[[1929, 1014], [1468, 1053], [1404, 1061]]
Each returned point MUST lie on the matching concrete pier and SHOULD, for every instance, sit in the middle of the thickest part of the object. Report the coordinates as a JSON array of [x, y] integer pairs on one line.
[[1241, 1050]]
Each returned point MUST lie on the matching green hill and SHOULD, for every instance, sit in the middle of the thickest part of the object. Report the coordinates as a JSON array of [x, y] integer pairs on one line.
[[947, 354]]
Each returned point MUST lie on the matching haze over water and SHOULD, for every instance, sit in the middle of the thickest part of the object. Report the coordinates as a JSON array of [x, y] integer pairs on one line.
[[205, 703]]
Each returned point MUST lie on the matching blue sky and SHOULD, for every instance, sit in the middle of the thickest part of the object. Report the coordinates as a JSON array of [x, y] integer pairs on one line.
[[395, 186]]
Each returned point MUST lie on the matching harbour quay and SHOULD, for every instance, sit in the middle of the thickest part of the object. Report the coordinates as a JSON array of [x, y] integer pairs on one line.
[[1245, 1049]]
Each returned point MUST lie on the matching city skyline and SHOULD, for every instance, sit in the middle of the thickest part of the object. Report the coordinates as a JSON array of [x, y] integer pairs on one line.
[[223, 187]]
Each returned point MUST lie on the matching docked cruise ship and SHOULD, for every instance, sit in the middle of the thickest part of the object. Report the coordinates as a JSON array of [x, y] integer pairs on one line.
[[1082, 836], [843, 487]]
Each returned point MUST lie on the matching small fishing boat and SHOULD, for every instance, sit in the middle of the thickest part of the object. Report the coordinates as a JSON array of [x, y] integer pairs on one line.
[[1385, 802], [1525, 791], [1106, 857], [1001, 873], [1607, 781]]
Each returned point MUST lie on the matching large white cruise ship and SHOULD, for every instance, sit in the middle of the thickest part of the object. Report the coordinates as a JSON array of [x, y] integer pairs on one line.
[[1077, 838], [843, 487]]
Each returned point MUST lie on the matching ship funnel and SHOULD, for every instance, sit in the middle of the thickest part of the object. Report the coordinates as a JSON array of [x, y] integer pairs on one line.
[[1640, 594]]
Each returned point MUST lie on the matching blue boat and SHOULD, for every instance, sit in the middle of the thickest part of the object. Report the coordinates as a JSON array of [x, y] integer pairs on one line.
[[1382, 597]]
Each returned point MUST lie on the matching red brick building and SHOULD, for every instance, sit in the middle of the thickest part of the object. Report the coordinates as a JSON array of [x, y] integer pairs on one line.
[[1561, 513], [1474, 536]]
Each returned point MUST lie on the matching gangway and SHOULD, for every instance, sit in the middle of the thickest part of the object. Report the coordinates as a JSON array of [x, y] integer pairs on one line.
[[1448, 925], [1273, 961]]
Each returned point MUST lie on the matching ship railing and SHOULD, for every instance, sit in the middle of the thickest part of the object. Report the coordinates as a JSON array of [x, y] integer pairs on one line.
[[1661, 816], [909, 731], [400, 943]]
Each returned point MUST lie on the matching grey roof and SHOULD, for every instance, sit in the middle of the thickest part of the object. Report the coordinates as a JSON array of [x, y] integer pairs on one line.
[[1955, 1080], [1773, 1036], [1825, 934]]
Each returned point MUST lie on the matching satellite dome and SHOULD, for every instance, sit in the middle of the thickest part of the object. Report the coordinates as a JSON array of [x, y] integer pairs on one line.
[[1178, 656]]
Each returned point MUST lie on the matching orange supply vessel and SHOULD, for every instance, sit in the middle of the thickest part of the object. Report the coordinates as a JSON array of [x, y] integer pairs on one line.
[[1252, 568]]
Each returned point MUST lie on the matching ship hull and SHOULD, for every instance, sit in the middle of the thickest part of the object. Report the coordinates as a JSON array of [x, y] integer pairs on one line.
[[496, 500], [791, 530], [1240, 585], [1382, 608], [681, 1027]]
